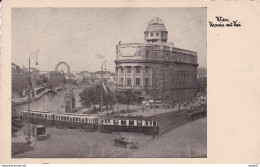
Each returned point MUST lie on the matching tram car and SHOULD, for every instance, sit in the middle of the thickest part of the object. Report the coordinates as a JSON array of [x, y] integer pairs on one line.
[[38, 117], [129, 124], [196, 112], [72, 120], [66, 120]]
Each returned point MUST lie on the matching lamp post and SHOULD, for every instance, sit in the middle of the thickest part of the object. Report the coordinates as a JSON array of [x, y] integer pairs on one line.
[[33, 55], [102, 65]]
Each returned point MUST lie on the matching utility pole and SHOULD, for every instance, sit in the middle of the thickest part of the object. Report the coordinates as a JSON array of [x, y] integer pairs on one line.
[[33, 54], [101, 105], [101, 88]]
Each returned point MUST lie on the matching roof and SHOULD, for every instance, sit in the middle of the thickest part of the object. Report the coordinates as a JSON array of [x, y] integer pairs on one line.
[[39, 111], [156, 20], [102, 72], [156, 24]]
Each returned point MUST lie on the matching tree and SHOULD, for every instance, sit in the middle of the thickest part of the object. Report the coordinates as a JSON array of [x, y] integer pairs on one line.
[[127, 97], [92, 95]]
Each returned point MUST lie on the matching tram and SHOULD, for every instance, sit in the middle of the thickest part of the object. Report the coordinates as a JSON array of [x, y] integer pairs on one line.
[[196, 112], [66, 120], [129, 124], [72, 120]]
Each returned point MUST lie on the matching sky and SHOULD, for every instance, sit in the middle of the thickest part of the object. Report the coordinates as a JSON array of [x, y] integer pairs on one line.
[[84, 37]]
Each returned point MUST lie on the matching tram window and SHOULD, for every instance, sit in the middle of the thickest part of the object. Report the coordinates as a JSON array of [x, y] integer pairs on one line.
[[86, 120], [139, 123], [154, 123], [146, 123], [115, 122], [71, 119], [131, 122]]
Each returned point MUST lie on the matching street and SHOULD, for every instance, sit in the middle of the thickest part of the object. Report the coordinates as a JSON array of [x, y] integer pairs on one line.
[[188, 140]]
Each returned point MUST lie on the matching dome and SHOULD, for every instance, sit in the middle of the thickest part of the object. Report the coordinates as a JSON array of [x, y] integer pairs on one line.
[[156, 24], [156, 20]]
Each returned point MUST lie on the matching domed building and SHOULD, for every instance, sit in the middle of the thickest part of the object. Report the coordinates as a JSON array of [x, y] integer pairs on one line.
[[156, 69], [156, 31]]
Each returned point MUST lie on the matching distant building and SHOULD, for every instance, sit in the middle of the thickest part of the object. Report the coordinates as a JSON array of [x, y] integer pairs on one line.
[[86, 74], [20, 78], [56, 78], [202, 72], [79, 77], [105, 74], [202, 79], [156, 69]]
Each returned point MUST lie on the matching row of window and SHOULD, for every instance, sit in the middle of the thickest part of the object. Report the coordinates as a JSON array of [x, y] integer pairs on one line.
[[168, 56], [137, 81], [76, 119], [137, 70], [157, 34], [129, 122], [62, 118]]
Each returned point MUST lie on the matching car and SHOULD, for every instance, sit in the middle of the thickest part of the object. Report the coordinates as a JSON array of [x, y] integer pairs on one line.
[[158, 103], [125, 141]]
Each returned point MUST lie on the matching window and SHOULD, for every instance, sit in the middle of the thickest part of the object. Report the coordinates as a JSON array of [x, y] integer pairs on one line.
[[156, 55], [146, 81], [139, 123], [122, 70], [123, 122], [146, 34], [137, 81], [115, 122], [128, 81], [146, 70], [156, 80], [147, 54], [121, 81], [128, 69], [137, 70], [147, 123], [131, 122], [157, 34], [162, 34], [151, 34]]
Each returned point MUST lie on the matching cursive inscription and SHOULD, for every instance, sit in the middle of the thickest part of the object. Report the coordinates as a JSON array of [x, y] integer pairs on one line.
[[224, 22]]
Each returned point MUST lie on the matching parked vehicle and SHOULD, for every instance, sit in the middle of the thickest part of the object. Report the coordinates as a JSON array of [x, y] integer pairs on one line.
[[158, 103], [125, 141]]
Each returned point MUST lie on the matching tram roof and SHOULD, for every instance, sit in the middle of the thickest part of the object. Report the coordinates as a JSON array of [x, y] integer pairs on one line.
[[74, 114], [39, 111], [128, 118]]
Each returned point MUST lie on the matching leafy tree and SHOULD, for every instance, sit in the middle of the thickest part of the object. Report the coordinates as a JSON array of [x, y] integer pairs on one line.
[[92, 95], [127, 97]]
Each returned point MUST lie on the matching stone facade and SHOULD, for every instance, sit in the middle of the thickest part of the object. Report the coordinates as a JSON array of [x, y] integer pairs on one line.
[[156, 69]]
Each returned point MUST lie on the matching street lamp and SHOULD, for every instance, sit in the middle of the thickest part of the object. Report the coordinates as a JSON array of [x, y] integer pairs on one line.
[[33, 55], [102, 66]]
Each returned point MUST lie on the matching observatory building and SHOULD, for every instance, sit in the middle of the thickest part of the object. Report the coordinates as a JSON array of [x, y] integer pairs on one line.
[[156, 69]]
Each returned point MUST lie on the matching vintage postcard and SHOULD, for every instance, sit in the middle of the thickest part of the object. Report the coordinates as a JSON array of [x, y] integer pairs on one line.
[[130, 82]]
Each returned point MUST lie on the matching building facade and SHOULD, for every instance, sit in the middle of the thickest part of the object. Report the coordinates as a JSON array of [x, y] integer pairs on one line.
[[156, 69]]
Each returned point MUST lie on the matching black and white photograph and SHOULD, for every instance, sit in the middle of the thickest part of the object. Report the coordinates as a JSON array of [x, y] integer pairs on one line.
[[94, 82]]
